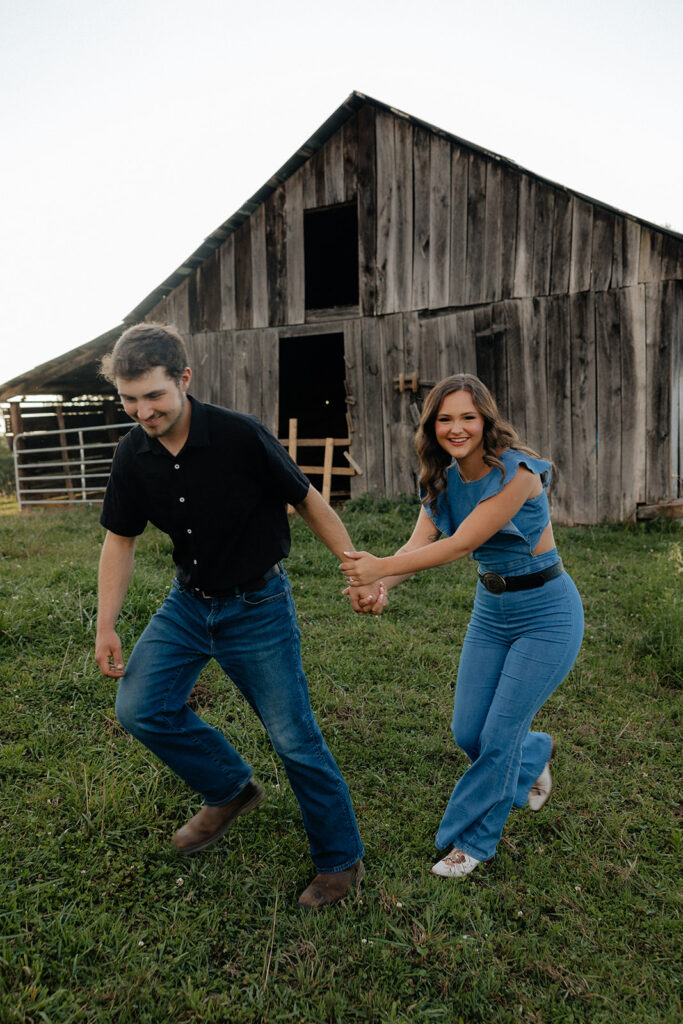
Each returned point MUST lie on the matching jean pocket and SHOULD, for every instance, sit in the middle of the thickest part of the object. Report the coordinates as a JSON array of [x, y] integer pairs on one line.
[[273, 591]]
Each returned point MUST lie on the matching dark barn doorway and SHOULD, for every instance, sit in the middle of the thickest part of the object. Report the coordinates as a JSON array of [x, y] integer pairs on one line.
[[312, 372]]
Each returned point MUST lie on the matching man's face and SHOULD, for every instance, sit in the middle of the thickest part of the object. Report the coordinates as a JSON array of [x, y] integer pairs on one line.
[[156, 401]]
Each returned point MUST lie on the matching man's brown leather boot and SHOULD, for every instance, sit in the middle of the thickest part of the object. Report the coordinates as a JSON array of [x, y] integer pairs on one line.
[[211, 823], [327, 889]]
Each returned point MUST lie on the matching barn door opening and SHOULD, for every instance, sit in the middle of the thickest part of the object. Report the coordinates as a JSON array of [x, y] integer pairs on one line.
[[312, 372]]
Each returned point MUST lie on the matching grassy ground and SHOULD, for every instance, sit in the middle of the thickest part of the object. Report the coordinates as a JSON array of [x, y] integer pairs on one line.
[[576, 919]]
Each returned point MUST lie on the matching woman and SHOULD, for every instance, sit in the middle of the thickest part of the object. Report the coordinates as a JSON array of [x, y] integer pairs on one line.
[[484, 494]]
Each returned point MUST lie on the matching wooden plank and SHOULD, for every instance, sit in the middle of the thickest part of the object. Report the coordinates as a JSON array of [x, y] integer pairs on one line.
[[386, 213], [544, 207], [327, 468], [294, 218], [617, 275], [457, 286], [524, 244], [367, 210], [244, 388], [582, 243], [630, 252], [514, 346], [443, 348], [397, 430], [429, 367], [375, 410], [181, 307], [227, 283], [509, 229], [560, 405], [193, 303], [562, 242], [333, 151], [608, 359], [350, 157], [584, 466], [633, 397], [403, 240], [421, 204], [353, 359], [650, 263], [447, 347], [226, 369], [534, 335], [659, 374], [466, 347], [308, 184], [243, 315], [476, 218], [259, 274], [270, 378], [491, 352], [276, 257], [602, 249], [412, 354], [209, 281], [493, 233], [439, 221]]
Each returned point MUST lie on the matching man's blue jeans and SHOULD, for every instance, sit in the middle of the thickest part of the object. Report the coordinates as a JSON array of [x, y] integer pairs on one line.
[[518, 648], [256, 641]]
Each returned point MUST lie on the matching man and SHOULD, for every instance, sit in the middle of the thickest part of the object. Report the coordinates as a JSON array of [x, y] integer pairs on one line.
[[217, 482]]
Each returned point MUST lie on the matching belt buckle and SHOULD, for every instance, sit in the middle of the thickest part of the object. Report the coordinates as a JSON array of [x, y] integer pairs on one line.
[[494, 583]]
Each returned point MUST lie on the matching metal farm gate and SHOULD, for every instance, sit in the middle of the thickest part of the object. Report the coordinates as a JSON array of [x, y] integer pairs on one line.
[[69, 466]]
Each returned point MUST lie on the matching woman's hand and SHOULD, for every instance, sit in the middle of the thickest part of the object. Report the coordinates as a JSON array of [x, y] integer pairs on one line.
[[361, 568]]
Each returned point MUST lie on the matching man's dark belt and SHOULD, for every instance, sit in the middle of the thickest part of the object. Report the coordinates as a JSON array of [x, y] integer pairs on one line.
[[241, 588], [496, 584]]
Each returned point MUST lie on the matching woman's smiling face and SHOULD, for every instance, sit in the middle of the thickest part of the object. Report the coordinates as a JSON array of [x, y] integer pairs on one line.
[[459, 427]]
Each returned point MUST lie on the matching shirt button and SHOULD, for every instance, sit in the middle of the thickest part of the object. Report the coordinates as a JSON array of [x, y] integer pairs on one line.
[[189, 531], [194, 561], [177, 465], [181, 499]]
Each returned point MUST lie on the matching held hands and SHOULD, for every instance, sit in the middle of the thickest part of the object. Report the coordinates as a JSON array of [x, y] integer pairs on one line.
[[370, 600], [361, 568]]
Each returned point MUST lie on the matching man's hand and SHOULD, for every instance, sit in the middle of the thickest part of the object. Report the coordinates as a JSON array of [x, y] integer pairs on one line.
[[370, 600], [108, 654]]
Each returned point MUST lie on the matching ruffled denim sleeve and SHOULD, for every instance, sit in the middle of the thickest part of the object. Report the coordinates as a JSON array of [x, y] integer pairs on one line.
[[494, 482]]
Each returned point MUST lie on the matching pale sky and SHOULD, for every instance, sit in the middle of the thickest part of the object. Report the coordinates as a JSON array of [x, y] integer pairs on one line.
[[132, 128]]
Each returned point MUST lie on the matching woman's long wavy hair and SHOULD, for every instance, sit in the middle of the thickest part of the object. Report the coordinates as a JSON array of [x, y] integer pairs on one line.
[[498, 434]]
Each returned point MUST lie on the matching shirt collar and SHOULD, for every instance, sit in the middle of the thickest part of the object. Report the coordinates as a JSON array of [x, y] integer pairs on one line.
[[197, 438]]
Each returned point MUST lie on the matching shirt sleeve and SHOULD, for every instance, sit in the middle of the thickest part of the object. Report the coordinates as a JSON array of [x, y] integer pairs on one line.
[[285, 478], [121, 510]]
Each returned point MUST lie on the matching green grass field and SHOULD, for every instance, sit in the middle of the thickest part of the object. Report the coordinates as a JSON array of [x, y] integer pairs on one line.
[[577, 919]]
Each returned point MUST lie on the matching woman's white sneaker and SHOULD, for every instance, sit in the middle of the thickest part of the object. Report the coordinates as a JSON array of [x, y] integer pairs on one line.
[[541, 790], [456, 865]]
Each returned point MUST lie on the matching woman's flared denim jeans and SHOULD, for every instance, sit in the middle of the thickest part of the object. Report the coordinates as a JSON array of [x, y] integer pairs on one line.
[[256, 641], [518, 648]]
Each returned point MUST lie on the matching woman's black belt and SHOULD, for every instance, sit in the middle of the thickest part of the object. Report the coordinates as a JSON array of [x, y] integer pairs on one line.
[[242, 588], [496, 584]]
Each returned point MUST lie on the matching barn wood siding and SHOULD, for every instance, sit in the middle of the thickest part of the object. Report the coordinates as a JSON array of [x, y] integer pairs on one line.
[[573, 313]]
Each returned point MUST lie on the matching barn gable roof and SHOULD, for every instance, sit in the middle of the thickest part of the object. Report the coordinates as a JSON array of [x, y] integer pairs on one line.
[[75, 372], [343, 113]]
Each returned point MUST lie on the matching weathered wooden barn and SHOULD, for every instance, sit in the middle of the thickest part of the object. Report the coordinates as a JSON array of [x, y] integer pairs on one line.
[[387, 254]]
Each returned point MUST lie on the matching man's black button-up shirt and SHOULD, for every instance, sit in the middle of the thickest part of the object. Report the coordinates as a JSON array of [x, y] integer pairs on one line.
[[221, 499]]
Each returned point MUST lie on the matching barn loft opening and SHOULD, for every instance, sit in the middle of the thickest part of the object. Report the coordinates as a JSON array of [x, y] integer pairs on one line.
[[331, 256], [312, 391]]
